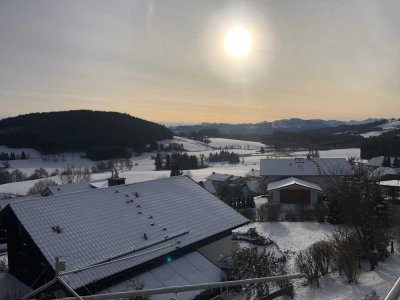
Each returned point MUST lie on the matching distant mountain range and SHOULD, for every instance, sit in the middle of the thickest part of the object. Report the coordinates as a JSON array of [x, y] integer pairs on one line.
[[288, 125]]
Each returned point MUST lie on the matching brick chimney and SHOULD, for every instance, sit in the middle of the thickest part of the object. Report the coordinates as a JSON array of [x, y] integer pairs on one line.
[[115, 179]]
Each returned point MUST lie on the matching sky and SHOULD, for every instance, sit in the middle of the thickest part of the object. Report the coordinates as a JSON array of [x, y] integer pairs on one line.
[[165, 61]]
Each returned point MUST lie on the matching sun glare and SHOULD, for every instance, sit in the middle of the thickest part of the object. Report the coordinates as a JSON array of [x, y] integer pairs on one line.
[[237, 42]]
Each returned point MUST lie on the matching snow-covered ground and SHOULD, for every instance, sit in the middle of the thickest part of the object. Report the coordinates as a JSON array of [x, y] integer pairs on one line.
[[296, 236], [220, 143], [143, 165], [188, 144], [334, 153]]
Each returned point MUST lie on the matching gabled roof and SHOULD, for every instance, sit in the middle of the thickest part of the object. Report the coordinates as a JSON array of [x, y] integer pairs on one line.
[[385, 171], [377, 161], [208, 185], [4, 202], [103, 224], [304, 167], [255, 186], [219, 177], [253, 173], [71, 188], [280, 184]]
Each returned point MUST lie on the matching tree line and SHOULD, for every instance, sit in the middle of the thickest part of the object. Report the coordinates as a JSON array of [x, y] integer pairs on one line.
[[101, 135], [13, 156], [384, 145], [231, 157], [178, 161]]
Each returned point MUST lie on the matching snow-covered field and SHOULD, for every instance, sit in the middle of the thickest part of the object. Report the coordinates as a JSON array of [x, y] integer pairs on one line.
[[296, 236], [334, 153], [220, 143], [143, 165]]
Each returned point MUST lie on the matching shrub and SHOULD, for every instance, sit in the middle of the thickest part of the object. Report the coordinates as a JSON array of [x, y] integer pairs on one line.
[[290, 215], [303, 212], [268, 212], [315, 261], [347, 251], [320, 211], [248, 263]]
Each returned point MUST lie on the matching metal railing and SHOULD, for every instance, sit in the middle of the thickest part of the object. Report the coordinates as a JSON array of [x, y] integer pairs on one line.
[[394, 293], [185, 288]]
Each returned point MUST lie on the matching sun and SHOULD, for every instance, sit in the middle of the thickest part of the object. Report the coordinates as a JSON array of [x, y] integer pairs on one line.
[[237, 42]]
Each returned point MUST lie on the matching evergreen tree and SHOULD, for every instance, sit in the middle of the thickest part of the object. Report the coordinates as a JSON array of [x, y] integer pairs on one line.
[[175, 171], [385, 162], [12, 156], [158, 162], [262, 150], [23, 155], [250, 202], [168, 162], [396, 163]]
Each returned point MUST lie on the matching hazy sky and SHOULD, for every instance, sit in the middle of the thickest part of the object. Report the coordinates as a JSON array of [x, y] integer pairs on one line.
[[164, 60]]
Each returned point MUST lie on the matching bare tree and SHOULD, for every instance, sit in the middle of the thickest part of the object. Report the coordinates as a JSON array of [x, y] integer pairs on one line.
[[40, 186], [74, 175]]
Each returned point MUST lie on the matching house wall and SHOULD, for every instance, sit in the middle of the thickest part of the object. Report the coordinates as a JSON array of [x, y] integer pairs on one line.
[[25, 261], [275, 195]]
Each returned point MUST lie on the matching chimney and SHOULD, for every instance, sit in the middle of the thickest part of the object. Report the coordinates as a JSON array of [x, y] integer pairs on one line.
[[115, 179]]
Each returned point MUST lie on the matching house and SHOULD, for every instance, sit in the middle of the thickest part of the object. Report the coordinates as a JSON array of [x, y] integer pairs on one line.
[[253, 174], [294, 191], [301, 180], [378, 161], [386, 173], [146, 224]]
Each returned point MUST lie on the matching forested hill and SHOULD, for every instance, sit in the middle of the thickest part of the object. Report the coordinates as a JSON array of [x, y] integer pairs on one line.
[[102, 135]]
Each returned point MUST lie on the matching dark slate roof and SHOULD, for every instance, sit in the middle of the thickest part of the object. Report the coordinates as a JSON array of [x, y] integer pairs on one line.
[[304, 167], [102, 224]]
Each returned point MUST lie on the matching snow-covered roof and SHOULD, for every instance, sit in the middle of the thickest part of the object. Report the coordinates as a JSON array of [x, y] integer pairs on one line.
[[253, 173], [219, 177], [384, 171], [377, 161], [304, 167], [11, 287], [292, 181], [209, 186], [192, 268], [234, 178], [70, 188], [391, 183], [4, 202], [102, 224], [254, 186]]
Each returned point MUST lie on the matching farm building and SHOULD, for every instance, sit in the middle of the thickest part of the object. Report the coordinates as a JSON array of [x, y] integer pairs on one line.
[[148, 224], [301, 180]]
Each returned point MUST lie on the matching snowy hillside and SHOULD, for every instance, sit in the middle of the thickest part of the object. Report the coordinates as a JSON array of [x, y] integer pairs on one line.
[[386, 127], [188, 144]]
